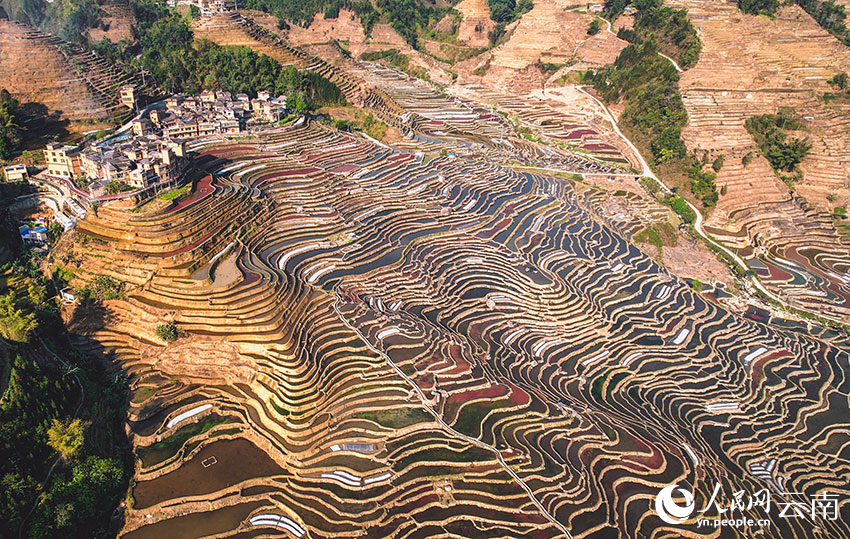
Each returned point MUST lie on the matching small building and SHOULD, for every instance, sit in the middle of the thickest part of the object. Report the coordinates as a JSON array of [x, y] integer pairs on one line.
[[68, 295], [15, 173], [33, 235], [39, 233], [128, 96], [62, 161], [141, 127]]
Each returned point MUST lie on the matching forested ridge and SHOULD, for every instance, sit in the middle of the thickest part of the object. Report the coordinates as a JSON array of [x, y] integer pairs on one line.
[[168, 50], [648, 83], [57, 406]]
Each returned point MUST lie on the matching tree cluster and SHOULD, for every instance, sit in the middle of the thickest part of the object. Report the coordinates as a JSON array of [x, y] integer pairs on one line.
[[649, 84], [68, 19], [758, 7], [671, 28], [830, 16], [768, 130], [45, 413], [11, 132], [302, 12], [182, 65]]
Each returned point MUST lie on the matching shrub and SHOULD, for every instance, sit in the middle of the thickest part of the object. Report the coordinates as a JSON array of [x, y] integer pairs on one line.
[[717, 164], [594, 27], [682, 209], [167, 331], [840, 80]]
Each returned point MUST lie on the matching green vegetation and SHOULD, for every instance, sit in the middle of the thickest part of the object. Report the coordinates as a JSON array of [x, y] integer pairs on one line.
[[680, 206], [672, 29], [396, 418], [366, 123], [839, 81], [17, 323], [101, 288], [176, 193], [444, 454], [180, 64], [830, 16], [594, 27], [69, 19], [758, 7], [660, 235], [11, 132], [697, 285], [44, 413], [167, 332], [410, 17], [782, 153], [114, 187], [66, 437], [302, 11], [506, 11], [718, 162], [649, 84], [471, 415], [612, 9]]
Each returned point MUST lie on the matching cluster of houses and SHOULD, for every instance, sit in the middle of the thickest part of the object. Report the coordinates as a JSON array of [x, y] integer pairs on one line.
[[154, 152], [207, 7], [210, 113], [138, 162]]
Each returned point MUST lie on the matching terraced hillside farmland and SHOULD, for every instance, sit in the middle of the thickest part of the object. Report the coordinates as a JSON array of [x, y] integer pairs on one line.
[[68, 79], [381, 343], [754, 65]]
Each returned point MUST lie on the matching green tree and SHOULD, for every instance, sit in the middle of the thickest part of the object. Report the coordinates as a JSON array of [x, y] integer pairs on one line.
[[758, 7], [594, 27], [66, 437], [15, 324], [11, 132], [839, 81]]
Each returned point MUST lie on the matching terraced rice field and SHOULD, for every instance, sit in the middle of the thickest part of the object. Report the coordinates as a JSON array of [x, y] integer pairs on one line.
[[380, 344]]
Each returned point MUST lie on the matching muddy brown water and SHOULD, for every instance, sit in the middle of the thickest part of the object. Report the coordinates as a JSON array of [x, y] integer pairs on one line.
[[235, 461], [197, 524]]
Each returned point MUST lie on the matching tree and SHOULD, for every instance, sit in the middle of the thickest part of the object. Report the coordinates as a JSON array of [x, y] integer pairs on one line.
[[37, 293], [839, 81], [594, 27], [758, 7], [680, 206], [66, 437], [11, 132], [15, 324], [297, 104]]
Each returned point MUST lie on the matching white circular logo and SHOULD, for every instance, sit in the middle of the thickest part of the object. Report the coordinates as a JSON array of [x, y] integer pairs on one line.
[[668, 510]]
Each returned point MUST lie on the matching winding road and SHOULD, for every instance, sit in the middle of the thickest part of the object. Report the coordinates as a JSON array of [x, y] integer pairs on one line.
[[698, 222]]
